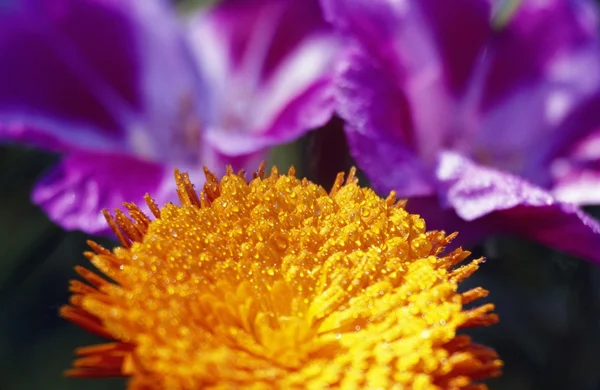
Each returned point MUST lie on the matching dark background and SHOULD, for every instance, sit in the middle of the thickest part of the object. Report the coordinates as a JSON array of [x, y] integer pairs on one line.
[[548, 336]]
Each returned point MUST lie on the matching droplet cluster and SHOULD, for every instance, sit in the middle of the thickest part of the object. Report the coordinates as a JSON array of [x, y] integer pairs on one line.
[[276, 283]]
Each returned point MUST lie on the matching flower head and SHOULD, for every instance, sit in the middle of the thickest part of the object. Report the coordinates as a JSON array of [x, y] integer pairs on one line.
[[275, 283], [488, 115], [116, 83]]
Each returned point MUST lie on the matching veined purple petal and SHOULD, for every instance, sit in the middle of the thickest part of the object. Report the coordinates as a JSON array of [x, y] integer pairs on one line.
[[523, 103], [577, 175], [474, 190], [579, 186], [421, 50], [309, 110], [17, 131], [377, 119], [260, 34], [509, 204], [494, 92], [380, 99], [268, 65], [49, 75], [406, 36], [572, 157], [537, 35], [76, 191], [91, 74]]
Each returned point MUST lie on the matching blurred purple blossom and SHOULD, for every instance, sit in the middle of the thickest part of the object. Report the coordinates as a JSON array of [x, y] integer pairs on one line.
[[485, 113], [127, 92]]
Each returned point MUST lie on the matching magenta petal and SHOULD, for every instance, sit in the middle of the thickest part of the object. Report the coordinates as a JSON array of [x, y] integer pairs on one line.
[[55, 67], [573, 157], [578, 183], [399, 171], [309, 110], [410, 66], [547, 37], [525, 110], [38, 137], [379, 129], [562, 226], [269, 66], [474, 190], [410, 37], [90, 74], [452, 67], [266, 31], [74, 193], [509, 204]]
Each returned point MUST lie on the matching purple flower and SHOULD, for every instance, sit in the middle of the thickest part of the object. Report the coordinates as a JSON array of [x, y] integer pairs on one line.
[[487, 117], [126, 92]]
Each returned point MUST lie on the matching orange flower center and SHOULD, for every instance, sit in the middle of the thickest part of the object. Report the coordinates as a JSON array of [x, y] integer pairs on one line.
[[275, 283]]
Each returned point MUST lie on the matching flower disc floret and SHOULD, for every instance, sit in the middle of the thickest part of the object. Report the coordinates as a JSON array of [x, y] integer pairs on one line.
[[276, 283]]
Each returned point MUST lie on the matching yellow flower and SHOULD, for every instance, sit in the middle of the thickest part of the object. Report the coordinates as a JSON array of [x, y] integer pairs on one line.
[[277, 284]]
